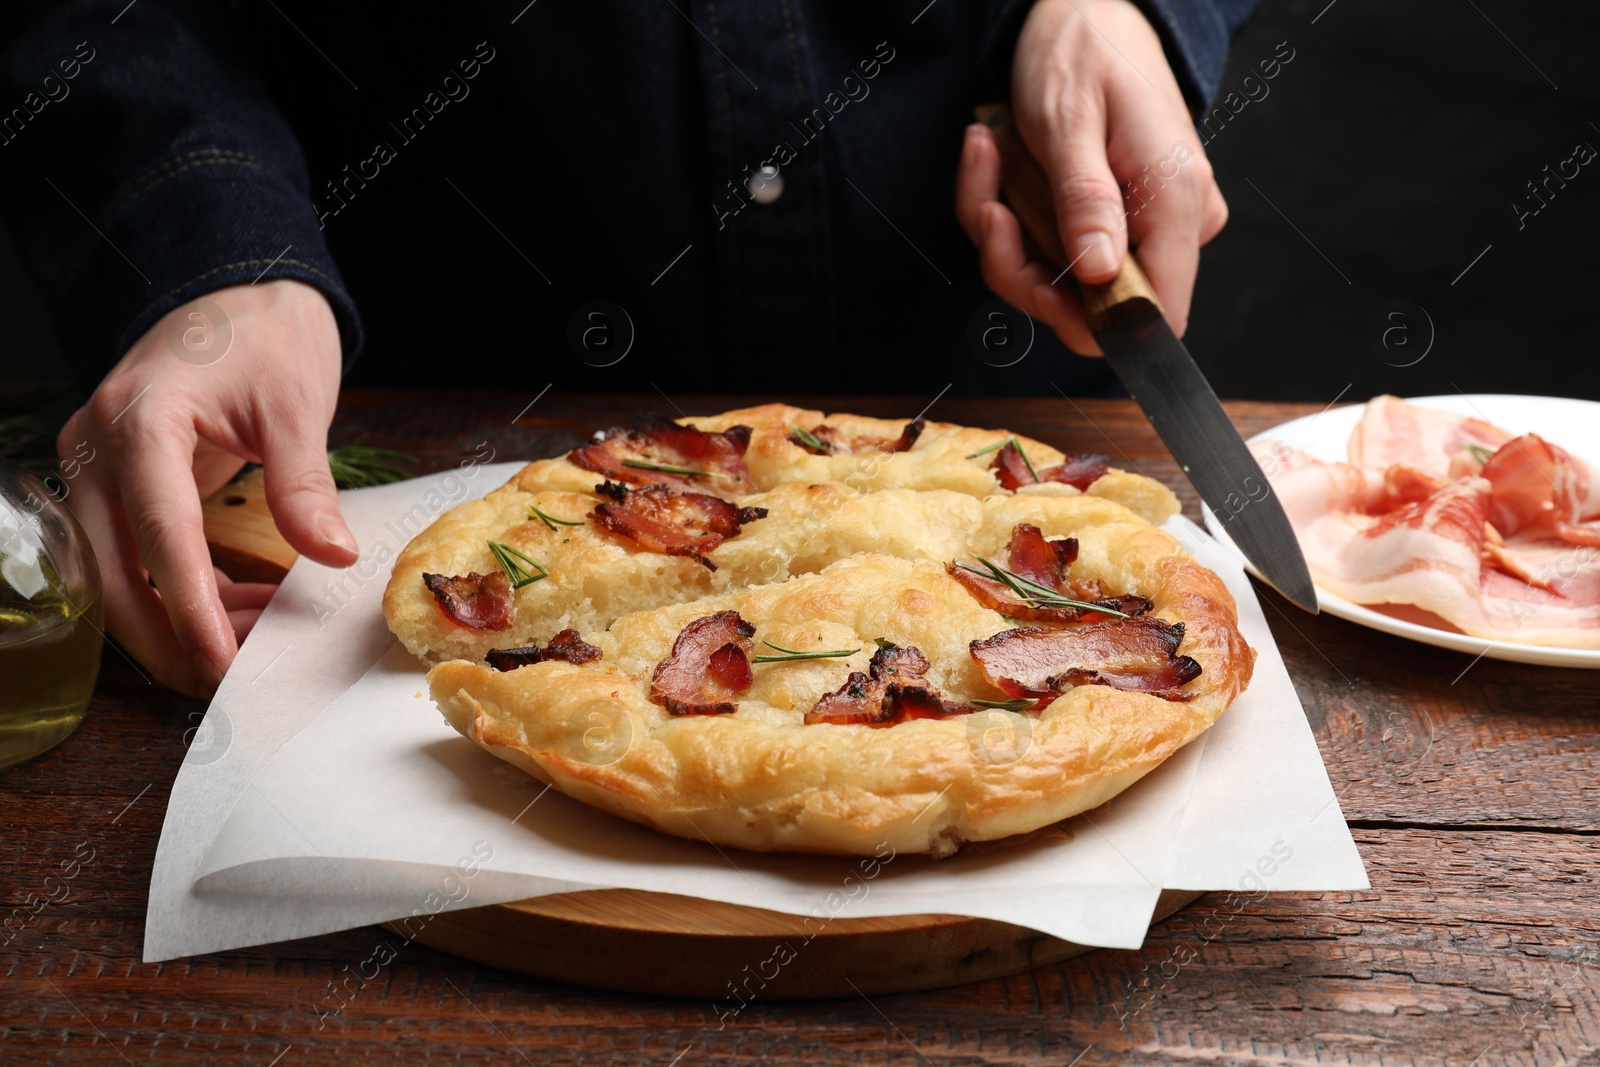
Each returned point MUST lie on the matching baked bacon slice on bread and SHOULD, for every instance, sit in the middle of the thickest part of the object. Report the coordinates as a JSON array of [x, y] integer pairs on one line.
[[566, 645], [479, 601], [659, 451], [709, 665], [893, 691], [1137, 654], [1079, 470], [660, 518], [1040, 567], [825, 440]]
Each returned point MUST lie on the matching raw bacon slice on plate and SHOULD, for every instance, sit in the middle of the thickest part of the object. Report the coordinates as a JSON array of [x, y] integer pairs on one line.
[[1393, 432], [1495, 534]]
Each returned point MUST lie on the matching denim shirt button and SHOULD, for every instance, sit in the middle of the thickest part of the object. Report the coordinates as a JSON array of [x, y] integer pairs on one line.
[[765, 185]]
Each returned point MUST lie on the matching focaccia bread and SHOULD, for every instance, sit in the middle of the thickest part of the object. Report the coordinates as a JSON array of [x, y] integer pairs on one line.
[[763, 778], [777, 630], [929, 501]]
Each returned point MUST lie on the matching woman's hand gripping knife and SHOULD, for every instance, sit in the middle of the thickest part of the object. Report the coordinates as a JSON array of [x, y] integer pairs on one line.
[[1095, 100]]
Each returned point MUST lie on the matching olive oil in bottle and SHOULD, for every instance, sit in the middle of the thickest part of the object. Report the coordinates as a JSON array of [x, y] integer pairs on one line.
[[49, 657], [50, 618]]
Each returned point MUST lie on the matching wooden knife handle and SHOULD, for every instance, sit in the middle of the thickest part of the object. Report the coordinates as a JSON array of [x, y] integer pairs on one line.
[[1027, 191]]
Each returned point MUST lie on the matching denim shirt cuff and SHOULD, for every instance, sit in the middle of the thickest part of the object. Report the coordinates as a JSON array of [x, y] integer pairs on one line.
[[196, 222], [1195, 36]]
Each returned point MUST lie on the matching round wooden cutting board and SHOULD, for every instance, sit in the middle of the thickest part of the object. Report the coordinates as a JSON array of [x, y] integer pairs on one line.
[[670, 945]]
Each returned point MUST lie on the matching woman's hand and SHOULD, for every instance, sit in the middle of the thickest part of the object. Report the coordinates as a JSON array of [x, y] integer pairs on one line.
[[169, 427], [1094, 99]]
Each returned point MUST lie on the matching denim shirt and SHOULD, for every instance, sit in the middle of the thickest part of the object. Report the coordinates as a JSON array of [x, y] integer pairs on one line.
[[567, 193]]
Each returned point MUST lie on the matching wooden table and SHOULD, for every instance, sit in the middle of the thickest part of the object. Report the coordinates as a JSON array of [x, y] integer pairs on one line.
[[1471, 789]]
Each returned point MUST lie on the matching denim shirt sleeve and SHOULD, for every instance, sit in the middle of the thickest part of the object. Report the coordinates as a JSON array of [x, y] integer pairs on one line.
[[1196, 34], [142, 165]]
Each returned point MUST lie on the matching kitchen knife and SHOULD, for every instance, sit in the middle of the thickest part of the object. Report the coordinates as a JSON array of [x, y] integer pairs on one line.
[[1161, 376]]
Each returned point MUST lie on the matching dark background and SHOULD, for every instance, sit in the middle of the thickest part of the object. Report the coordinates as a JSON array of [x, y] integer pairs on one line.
[[1385, 159]]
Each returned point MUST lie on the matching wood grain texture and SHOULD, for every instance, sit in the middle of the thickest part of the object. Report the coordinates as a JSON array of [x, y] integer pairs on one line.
[[244, 543], [669, 945], [1127, 298], [1473, 797]]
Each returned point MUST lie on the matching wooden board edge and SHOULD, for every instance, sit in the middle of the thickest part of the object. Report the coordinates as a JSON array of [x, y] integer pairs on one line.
[[245, 543], [836, 957]]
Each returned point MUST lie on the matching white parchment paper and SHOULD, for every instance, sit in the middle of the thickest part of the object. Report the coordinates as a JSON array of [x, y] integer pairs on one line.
[[325, 791]]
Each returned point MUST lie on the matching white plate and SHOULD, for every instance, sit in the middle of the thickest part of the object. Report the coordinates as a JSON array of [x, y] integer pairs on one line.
[[1572, 424]]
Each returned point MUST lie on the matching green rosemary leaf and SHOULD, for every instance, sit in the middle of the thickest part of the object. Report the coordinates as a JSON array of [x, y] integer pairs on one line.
[[883, 642], [811, 440], [356, 466], [1034, 593], [1480, 453], [1026, 462], [512, 562], [1014, 443], [666, 468], [1014, 704], [1026, 588], [550, 520], [992, 448], [790, 654]]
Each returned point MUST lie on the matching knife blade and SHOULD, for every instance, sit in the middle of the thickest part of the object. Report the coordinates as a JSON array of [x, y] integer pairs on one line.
[[1131, 329]]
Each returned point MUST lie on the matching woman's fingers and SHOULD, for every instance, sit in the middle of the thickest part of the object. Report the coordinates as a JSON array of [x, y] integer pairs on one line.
[[173, 628], [134, 612], [1060, 307], [1166, 215], [236, 595], [215, 467], [300, 490], [1170, 256], [1002, 255], [243, 620], [1215, 216], [1169, 208], [155, 479], [977, 179], [244, 601], [1088, 198], [1029, 285]]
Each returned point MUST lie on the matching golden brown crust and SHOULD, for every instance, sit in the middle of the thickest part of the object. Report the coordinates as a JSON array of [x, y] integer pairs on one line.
[[820, 509], [939, 460], [853, 548], [760, 779]]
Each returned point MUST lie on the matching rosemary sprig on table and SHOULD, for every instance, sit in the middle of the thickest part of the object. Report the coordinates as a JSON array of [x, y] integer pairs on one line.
[[1014, 704], [665, 468], [1480, 453], [550, 520], [1033, 592], [1014, 443], [355, 466], [790, 654], [512, 562], [811, 440]]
